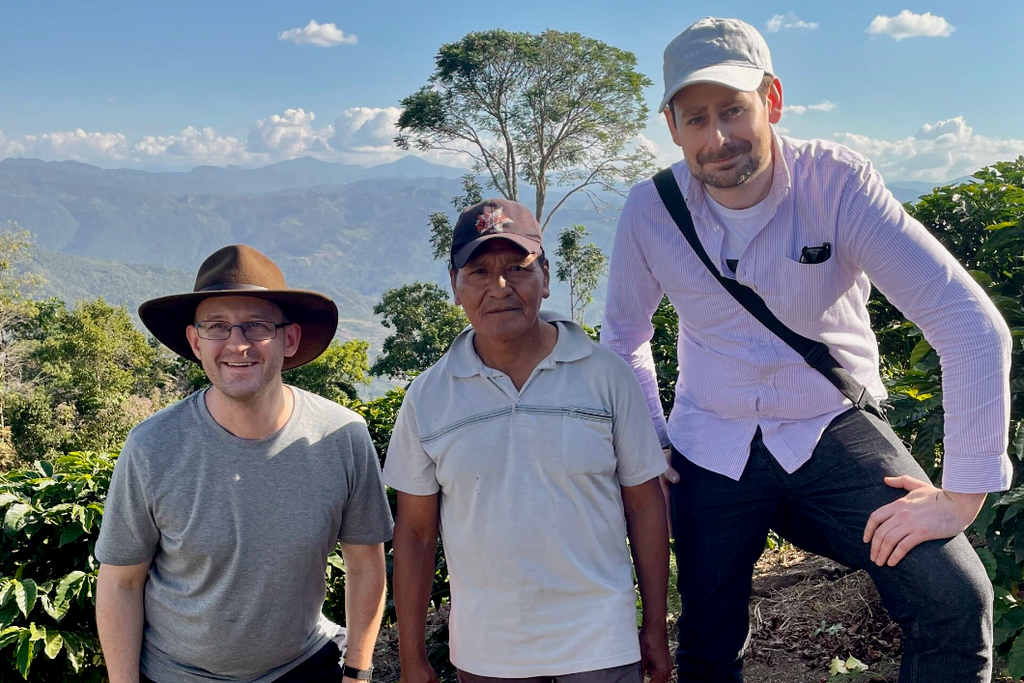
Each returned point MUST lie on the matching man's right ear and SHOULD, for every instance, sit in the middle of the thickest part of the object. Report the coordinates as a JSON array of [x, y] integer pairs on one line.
[[193, 340], [452, 274], [670, 118]]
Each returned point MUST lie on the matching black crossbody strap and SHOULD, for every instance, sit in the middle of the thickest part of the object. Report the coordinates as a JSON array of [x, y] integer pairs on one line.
[[814, 352]]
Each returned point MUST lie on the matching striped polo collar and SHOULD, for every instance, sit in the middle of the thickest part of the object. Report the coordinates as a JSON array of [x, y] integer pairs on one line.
[[573, 344]]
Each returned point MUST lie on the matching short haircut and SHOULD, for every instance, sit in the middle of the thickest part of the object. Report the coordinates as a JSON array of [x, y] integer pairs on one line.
[[762, 90]]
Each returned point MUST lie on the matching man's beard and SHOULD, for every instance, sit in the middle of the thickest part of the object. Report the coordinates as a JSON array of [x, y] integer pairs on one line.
[[744, 169]]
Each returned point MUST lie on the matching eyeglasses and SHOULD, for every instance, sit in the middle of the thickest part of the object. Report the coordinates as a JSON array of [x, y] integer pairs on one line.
[[253, 330]]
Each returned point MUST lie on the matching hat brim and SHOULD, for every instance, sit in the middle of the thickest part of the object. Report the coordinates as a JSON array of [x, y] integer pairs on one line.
[[742, 77], [167, 317], [462, 256]]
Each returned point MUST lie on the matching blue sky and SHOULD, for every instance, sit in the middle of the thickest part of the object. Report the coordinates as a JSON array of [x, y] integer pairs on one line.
[[178, 84]]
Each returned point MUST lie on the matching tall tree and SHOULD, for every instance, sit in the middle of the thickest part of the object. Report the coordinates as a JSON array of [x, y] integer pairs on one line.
[[551, 110], [581, 267], [441, 228], [16, 288], [95, 377], [425, 323]]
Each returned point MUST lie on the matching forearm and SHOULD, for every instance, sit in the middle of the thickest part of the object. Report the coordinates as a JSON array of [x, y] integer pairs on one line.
[[120, 615], [365, 590], [413, 580], [648, 540], [926, 283]]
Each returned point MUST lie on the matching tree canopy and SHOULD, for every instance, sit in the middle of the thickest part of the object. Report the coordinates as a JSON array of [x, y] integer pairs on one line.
[[425, 323], [581, 267], [554, 109]]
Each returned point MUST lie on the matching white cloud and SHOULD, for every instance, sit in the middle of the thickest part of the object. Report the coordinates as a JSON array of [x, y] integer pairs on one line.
[[789, 21], [321, 35], [939, 152], [194, 146], [10, 148], [289, 135], [906, 24], [825, 106], [76, 145], [665, 152], [366, 129]]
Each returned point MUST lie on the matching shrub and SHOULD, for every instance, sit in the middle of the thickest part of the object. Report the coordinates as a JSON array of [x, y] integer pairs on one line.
[[47, 589]]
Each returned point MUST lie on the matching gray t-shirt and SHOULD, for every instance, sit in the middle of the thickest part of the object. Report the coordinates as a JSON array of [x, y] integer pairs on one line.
[[238, 533]]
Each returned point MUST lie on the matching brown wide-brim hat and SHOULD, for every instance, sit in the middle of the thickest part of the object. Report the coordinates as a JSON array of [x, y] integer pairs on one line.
[[240, 270]]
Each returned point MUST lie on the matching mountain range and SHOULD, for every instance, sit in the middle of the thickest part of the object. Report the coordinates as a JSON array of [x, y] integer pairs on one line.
[[349, 231]]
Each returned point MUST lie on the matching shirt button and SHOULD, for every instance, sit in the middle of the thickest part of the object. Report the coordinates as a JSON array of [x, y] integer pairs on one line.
[[519, 401], [717, 228]]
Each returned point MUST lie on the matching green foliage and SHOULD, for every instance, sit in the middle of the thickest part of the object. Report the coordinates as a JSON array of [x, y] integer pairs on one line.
[[16, 309], [425, 323], [336, 373], [92, 377], [581, 266], [51, 518], [553, 109], [441, 228], [665, 351]]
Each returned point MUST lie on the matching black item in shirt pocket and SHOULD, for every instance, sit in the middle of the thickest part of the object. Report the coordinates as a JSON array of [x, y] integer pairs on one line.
[[815, 255]]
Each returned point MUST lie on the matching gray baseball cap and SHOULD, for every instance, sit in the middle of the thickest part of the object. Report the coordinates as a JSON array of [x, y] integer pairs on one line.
[[728, 52]]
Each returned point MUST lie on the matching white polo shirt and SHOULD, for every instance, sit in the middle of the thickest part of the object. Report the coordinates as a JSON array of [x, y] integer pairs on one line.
[[532, 517]]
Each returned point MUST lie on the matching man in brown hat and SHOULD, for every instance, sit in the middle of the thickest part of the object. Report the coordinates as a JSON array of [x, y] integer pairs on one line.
[[224, 507], [532, 446]]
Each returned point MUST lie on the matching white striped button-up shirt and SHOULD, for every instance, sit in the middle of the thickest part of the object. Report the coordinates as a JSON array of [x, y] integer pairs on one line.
[[736, 376]]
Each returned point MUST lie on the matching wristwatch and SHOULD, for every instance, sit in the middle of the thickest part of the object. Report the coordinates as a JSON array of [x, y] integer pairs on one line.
[[358, 674]]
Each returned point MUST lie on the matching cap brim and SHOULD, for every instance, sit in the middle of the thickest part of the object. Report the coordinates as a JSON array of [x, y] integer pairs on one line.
[[463, 255], [167, 317], [742, 77]]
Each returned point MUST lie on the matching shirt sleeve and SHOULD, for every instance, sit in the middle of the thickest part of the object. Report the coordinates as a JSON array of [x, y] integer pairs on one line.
[[366, 518], [638, 453], [633, 296], [927, 284], [408, 467], [128, 530]]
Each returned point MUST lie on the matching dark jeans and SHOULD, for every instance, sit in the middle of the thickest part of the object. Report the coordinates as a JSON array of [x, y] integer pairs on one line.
[[939, 593], [630, 673], [323, 667]]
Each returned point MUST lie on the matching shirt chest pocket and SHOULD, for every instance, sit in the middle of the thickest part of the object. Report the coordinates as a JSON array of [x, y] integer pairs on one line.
[[805, 291], [587, 442]]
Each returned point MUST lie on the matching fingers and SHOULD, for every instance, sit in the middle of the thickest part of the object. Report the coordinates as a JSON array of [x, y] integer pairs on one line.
[[877, 518], [886, 538], [905, 481], [670, 473], [904, 547]]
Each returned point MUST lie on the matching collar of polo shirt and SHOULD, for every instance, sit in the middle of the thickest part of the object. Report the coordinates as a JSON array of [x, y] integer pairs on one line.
[[463, 361]]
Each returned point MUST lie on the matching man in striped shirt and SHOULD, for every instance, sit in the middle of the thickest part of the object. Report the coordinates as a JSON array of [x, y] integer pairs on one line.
[[758, 437]]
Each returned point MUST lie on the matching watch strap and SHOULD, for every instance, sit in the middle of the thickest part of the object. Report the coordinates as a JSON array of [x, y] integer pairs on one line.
[[358, 674]]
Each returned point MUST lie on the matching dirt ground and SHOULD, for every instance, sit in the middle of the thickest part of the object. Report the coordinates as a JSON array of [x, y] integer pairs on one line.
[[805, 611]]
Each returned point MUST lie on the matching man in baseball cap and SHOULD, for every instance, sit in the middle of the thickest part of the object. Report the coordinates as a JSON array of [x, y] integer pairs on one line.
[[532, 447], [224, 507], [768, 428]]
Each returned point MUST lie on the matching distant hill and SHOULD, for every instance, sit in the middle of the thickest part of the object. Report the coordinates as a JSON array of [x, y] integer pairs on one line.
[[351, 232], [294, 173], [912, 190]]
